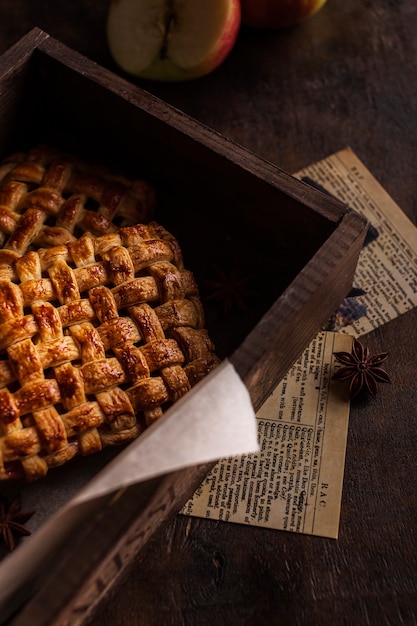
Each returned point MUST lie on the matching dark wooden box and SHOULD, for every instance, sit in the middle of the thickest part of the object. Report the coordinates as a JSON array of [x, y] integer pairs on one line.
[[226, 206]]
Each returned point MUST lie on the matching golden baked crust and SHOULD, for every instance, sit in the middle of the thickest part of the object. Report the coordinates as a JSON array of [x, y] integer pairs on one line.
[[48, 198], [97, 338]]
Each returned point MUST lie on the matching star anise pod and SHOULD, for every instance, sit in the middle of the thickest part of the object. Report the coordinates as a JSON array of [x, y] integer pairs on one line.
[[229, 289], [362, 370], [12, 521]]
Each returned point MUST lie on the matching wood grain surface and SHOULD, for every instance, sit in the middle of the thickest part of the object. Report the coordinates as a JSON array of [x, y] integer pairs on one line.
[[345, 77]]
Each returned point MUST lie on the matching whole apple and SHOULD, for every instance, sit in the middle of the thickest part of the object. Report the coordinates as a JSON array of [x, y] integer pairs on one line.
[[274, 14], [172, 40]]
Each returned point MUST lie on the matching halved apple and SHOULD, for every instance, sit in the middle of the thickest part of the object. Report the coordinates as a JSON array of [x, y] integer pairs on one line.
[[172, 40]]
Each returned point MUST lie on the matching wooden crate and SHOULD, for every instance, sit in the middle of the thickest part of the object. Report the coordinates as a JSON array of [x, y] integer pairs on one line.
[[227, 207]]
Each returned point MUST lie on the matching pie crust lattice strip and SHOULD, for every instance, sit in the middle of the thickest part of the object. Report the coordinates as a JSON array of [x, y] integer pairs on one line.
[[97, 338], [48, 198]]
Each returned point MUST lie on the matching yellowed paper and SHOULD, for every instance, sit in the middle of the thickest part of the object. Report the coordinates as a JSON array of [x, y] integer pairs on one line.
[[386, 274], [295, 482]]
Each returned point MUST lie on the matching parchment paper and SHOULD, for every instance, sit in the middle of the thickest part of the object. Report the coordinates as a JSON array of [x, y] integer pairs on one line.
[[215, 418]]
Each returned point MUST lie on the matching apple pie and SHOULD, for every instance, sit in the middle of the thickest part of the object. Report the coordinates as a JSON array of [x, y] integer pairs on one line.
[[98, 337], [48, 198]]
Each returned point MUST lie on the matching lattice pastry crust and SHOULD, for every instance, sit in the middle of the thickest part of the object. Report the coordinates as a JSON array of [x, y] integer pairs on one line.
[[48, 198], [97, 337]]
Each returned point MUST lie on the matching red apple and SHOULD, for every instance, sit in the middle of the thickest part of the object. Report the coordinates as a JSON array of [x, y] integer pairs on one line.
[[172, 40], [274, 14]]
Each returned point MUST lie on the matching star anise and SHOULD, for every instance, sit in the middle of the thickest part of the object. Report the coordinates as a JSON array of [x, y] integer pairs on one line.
[[362, 370], [12, 521], [229, 289]]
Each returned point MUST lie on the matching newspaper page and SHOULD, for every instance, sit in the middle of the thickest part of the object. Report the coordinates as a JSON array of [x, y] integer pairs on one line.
[[385, 283], [295, 481]]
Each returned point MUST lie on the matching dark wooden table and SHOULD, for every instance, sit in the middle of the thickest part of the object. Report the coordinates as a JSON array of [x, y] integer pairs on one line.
[[346, 77]]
